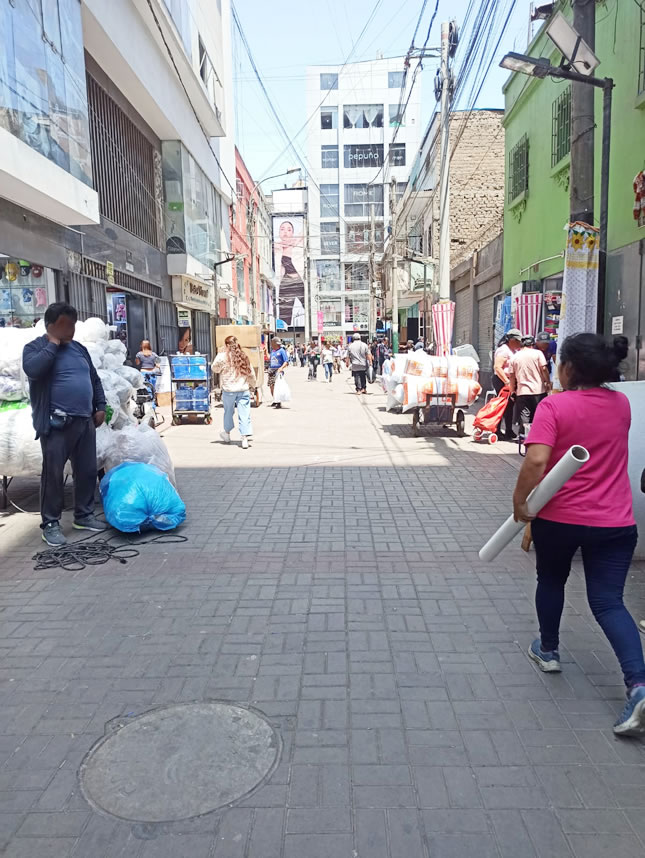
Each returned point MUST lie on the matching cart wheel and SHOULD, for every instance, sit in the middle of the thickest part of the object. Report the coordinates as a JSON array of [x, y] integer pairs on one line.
[[176, 420], [415, 424], [477, 433], [492, 438], [461, 424]]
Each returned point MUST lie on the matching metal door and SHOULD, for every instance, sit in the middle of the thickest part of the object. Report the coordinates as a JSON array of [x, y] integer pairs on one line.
[[626, 304], [167, 328], [88, 296], [202, 332], [136, 323]]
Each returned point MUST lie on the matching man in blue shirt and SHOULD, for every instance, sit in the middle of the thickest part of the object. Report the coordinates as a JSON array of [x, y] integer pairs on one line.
[[68, 403]]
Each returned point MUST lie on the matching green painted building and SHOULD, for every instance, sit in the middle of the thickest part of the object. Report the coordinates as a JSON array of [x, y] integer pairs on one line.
[[537, 124]]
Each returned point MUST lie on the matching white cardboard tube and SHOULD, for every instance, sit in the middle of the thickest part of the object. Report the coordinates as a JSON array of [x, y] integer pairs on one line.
[[572, 461]]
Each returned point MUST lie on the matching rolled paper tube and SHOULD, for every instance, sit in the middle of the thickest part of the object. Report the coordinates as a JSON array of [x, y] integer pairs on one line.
[[569, 464]]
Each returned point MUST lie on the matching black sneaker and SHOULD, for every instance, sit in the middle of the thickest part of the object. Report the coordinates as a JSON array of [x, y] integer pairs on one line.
[[90, 522], [53, 535]]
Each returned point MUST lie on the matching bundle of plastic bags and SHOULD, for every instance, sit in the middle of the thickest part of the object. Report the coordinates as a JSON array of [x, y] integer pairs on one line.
[[138, 443], [139, 496], [412, 380], [20, 453]]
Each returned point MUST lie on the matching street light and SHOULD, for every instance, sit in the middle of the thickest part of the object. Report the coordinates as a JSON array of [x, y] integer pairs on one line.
[[540, 67]]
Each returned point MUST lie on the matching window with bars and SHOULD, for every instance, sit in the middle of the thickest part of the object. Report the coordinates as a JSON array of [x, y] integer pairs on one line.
[[124, 168], [641, 55], [561, 127], [518, 169]]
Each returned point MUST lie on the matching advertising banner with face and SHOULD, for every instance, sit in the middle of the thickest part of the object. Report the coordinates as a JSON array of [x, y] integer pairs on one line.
[[289, 259]]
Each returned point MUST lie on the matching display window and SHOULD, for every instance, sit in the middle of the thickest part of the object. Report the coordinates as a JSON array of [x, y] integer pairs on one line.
[[26, 289]]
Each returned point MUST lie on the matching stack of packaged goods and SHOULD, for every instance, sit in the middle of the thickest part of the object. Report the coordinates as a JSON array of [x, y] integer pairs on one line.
[[119, 439], [416, 380]]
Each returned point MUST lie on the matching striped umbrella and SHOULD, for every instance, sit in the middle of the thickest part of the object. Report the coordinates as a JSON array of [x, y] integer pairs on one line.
[[443, 317], [527, 312]]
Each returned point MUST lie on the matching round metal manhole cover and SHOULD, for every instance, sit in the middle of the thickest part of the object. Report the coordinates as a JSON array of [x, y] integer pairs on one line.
[[180, 761]]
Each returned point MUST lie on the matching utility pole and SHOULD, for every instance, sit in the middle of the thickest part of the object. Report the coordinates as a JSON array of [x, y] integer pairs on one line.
[[444, 192], [581, 192], [251, 233], [371, 325], [394, 280], [425, 305]]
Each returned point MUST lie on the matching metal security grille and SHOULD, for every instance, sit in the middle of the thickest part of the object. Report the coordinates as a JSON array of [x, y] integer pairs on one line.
[[202, 332], [167, 327], [123, 166], [641, 55], [97, 270], [518, 169], [88, 297], [561, 127]]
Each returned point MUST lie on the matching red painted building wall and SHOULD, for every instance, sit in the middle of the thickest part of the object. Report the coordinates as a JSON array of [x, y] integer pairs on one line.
[[240, 239]]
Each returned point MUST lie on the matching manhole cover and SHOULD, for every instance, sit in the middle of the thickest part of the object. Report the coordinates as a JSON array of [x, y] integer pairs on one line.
[[179, 761]]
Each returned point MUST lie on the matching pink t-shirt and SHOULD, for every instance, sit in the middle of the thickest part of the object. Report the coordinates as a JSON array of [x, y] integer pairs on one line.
[[525, 365], [599, 494]]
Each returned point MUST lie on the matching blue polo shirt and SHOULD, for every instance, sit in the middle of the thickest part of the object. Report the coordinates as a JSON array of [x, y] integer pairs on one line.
[[71, 385]]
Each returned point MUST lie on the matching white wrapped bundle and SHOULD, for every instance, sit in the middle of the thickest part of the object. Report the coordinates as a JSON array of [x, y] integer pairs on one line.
[[112, 362], [20, 453], [414, 395], [12, 388], [114, 382], [104, 444], [116, 347], [131, 375], [462, 367], [140, 444], [96, 351], [92, 331], [13, 381]]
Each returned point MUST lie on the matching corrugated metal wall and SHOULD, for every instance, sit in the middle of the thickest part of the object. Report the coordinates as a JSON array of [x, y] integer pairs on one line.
[[167, 327], [88, 296], [202, 332]]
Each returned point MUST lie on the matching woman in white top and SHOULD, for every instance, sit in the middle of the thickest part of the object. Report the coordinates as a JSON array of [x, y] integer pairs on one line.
[[236, 379]]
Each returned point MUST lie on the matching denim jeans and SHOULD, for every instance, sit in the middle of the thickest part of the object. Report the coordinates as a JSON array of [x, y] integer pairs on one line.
[[360, 379], [243, 402], [329, 371], [606, 555]]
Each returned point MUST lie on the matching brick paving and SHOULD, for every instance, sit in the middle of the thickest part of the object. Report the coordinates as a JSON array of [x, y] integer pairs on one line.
[[330, 580]]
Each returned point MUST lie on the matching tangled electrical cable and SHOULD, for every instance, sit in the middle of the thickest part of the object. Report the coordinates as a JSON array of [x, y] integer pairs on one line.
[[76, 556]]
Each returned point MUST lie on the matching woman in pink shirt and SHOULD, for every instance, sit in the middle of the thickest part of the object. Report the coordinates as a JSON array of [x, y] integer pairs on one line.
[[593, 512]]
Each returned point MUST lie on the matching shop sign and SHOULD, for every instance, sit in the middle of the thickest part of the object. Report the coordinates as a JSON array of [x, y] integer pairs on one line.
[[192, 292], [183, 318], [109, 272]]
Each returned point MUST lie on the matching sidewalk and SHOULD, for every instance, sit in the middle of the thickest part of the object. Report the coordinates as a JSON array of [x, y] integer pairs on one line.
[[331, 581]]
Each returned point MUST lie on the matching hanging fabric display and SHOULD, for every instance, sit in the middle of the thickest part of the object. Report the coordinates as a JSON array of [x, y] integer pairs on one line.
[[443, 317], [580, 285], [528, 308], [639, 201], [503, 322]]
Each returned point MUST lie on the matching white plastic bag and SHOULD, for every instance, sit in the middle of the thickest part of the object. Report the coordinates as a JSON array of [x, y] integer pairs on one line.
[[281, 391], [131, 375], [91, 331], [139, 444], [20, 453]]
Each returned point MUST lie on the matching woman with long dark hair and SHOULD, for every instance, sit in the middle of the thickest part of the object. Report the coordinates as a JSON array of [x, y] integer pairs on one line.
[[591, 512], [237, 379]]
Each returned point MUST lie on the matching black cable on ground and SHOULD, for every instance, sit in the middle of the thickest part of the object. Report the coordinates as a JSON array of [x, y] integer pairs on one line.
[[76, 556]]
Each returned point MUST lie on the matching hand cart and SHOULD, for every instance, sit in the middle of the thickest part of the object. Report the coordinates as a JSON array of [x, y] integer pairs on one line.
[[190, 383], [440, 409]]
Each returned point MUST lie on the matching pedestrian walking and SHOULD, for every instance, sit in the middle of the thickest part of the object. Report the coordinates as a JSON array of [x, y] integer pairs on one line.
[[237, 380], [278, 362], [509, 344], [359, 357], [67, 405], [529, 380], [327, 362], [314, 361], [593, 512], [380, 356], [548, 347], [337, 355]]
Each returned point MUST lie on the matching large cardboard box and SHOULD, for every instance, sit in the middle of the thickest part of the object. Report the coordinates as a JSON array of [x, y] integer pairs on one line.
[[248, 336]]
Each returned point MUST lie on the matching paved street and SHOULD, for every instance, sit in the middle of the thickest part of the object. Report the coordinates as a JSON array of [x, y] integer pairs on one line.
[[331, 581]]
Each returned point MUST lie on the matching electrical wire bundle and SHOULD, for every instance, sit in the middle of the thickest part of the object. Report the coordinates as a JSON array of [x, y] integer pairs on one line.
[[76, 556]]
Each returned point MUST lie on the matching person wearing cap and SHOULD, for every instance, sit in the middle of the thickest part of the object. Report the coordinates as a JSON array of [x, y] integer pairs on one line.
[[510, 343], [547, 346], [359, 356], [529, 381], [278, 362]]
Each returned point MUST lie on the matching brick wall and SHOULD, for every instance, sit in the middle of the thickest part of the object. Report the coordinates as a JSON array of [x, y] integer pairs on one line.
[[476, 183]]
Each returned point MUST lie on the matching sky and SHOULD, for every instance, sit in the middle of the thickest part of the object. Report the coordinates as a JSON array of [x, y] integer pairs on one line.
[[288, 36]]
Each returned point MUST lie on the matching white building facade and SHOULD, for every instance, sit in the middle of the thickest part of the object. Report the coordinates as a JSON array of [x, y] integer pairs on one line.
[[358, 142]]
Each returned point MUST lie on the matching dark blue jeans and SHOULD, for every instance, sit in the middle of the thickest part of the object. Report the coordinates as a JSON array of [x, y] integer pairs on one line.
[[606, 555]]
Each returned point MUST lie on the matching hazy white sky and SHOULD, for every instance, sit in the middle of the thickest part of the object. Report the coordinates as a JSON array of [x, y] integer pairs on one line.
[[289, 35]]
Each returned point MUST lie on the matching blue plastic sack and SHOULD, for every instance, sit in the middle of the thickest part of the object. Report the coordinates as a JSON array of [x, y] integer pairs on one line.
[[138, 496]]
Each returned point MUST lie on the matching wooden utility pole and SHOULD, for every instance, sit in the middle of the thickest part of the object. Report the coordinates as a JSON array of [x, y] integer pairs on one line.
[[581, 188], [444, 193]]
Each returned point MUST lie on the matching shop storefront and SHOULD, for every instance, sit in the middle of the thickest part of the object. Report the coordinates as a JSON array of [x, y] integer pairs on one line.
[[26, 289], [194, 302]]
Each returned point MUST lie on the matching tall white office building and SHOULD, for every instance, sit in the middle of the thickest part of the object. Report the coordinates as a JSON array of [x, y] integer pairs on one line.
[[357, 142]]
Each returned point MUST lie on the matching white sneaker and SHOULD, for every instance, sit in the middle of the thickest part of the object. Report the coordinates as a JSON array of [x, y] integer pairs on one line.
[[226, 437], [245, 442]]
